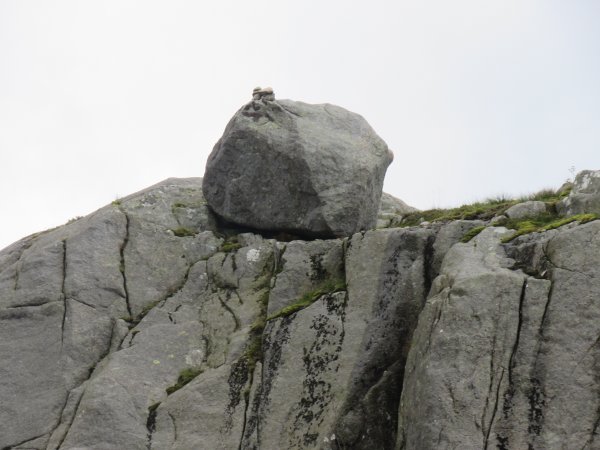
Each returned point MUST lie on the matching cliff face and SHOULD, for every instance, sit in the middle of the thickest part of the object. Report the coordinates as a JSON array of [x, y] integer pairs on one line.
[[149, 325]]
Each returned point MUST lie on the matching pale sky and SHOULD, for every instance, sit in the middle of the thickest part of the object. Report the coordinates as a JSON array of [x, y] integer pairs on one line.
[[99, 99]]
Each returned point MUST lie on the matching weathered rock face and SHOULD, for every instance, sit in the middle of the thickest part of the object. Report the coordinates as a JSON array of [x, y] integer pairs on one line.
[[508, 359], [143, 326], [585, 195], [314, 170]]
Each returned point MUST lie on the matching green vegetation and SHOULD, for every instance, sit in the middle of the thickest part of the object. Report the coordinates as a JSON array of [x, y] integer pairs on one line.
[[179, 205], [493, 207], [309, 298], [543, 222], [183, 232], [481, 210], [253, 351], [133, 321], [185, 376], [472, 233], [231, 244], [116, 202]]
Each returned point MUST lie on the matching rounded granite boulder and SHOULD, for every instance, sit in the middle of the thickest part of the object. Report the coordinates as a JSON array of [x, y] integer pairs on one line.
[[313, 170]]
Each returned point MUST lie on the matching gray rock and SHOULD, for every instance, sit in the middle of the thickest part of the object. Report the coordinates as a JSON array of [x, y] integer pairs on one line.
[[585, 195], [501, 359], [315, 170], [392, 209], [346, 352], [526, 209], [306, 267], [498, 220], [101, 319], [449, 234]]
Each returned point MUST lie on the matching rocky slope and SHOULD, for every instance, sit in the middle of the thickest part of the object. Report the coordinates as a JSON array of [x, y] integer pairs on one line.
[[149, 325]]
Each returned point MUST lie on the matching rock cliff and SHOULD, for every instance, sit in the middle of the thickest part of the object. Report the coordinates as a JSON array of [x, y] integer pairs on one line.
[[149, 325]]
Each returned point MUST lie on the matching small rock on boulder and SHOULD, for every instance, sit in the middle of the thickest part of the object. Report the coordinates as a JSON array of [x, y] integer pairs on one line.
[[313, 170]]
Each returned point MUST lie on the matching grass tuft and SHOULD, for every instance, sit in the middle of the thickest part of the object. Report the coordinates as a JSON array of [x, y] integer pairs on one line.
[[544, 222], [481, 210], [309, 298], [472, 233], [183, 232], [231, 244], [185, 376]]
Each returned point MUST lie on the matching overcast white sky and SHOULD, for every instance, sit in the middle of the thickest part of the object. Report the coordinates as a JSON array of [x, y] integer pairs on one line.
[[99, 99]]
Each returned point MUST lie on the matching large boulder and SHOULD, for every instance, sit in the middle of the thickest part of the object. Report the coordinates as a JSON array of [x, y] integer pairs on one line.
[[313, 170]]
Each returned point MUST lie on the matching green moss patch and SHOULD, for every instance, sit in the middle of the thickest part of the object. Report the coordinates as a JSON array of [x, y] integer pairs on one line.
[[472, 233], [185, 376], [183, 232], [544, 222], [231, 244], [309, 298], [481, 210]]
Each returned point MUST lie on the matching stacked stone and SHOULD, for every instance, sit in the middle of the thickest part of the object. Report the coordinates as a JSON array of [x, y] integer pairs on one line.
[[264, 94]]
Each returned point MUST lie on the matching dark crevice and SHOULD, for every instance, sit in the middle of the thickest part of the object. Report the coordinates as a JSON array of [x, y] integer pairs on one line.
[[70, 422], [10, 447], [64, 295], [495, 411], [21, 252], [151, 423], [32, 305], [89, 305], [179, 288], [594, 433], [511, 361], [17, 274], [122, 263], [90, 373], [491, 385], [230, 311], [174, 426], [246, 406], [545, 313], [428, 273]]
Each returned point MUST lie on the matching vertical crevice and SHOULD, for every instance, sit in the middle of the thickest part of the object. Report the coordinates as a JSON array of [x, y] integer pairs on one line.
[[247, 404], [122, 263], [174, 426], [60, 443], [511, 361], [490, 387], [63, 293], [546, 310], [428, 272], [151, 423], [494, 412], [593, 434]]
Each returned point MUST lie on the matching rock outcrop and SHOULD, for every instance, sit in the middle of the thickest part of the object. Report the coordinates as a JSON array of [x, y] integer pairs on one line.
[[312, 170], [584, 196], [149, 325]]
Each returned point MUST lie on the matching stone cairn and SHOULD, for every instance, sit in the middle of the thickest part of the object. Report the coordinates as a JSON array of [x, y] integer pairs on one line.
[[264, 94]]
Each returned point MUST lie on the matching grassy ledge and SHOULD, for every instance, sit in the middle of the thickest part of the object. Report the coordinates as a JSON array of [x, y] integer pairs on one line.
[[310, 297], [543, 222], [481, 210]]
